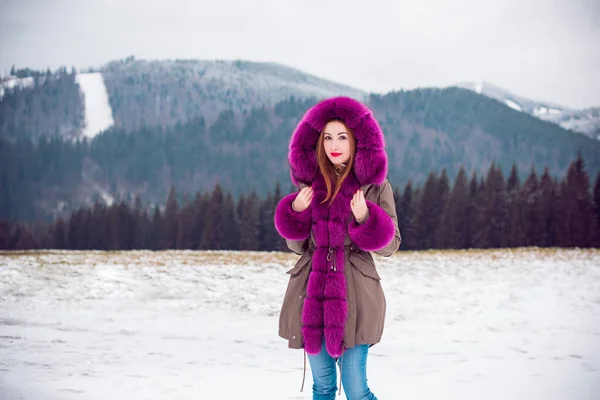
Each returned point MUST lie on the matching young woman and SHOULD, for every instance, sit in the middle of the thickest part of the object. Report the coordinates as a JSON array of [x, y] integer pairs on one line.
[[334, 306]]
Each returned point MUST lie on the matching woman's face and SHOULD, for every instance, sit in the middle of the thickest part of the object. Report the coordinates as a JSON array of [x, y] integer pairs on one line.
[[336, 143]]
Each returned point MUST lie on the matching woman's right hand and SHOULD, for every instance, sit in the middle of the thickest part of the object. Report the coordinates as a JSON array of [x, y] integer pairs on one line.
[[303, 199]]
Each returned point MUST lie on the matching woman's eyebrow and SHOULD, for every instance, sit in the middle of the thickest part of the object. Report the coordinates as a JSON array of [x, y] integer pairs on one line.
[[339, 133]]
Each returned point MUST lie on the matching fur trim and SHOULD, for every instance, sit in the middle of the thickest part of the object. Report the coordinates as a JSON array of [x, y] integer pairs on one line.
[[325, 309], [376, 232], [291, 224]]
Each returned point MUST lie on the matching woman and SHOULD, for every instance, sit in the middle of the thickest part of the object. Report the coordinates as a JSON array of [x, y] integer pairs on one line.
[[334, 306]]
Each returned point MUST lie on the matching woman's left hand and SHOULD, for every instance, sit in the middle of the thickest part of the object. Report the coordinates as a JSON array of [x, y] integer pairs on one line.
[[359, 205]]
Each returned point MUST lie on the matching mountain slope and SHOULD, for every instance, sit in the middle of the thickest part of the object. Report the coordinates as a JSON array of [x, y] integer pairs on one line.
[[586, 121], [164, 93], [425, 130]]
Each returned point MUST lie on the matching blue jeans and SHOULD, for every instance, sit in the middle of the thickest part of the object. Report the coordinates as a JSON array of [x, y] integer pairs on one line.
[[354, 374]]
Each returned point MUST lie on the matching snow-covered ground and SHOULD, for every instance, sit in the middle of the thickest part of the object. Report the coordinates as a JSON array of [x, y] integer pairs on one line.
[[98, 114], [512, 324]]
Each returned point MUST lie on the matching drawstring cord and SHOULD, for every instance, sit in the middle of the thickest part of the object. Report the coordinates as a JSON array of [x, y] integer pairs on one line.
[[304, 373], [341, 364]]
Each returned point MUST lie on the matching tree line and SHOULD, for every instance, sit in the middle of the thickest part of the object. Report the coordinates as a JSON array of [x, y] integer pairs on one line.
[[477, 212]]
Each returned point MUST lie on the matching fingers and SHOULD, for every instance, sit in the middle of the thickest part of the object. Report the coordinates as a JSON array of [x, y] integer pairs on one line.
[[305, 196], [358, 197]]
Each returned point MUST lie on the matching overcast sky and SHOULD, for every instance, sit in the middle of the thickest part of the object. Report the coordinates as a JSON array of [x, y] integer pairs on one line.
[[545, 50]]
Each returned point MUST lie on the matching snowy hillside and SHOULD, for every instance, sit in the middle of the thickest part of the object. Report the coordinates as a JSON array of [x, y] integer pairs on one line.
[[98, 114], [11, 82], [168, 92], [512, 324], [271, 82], [586, 121]]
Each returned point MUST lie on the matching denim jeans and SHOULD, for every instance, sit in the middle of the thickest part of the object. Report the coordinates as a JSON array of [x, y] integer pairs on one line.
[[354, 374]]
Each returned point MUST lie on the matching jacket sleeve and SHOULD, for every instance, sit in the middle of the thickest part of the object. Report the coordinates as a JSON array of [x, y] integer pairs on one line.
[[297, 246], [291, 224], [378, 231]]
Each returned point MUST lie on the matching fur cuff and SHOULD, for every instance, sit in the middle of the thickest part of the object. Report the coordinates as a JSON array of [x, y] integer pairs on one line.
[[376, 232], [292, 224]]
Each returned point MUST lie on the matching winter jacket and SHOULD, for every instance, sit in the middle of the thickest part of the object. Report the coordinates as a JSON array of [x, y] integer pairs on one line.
[[334, 291]]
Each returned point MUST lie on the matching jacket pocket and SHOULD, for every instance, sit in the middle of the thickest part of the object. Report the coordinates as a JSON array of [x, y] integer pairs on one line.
[[301, 263], [365, 265]]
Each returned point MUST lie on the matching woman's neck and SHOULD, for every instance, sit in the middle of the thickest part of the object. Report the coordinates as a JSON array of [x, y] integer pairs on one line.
[[339, 168]]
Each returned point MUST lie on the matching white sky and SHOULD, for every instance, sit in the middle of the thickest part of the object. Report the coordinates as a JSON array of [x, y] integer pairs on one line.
[[545, 50]]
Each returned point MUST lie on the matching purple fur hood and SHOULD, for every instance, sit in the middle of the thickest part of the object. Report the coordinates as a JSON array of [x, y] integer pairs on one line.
[[332, 229], [370, 164]]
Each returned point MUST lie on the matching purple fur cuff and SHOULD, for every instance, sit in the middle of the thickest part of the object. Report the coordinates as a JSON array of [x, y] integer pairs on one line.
[[291, 224], [376, 232]]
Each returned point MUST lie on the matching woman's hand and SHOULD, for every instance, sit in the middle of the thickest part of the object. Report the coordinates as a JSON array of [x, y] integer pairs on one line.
[[359, 205], [303, 199]]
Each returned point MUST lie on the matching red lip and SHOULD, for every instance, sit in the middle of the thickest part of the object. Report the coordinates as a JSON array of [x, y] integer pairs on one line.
[[336, 154]]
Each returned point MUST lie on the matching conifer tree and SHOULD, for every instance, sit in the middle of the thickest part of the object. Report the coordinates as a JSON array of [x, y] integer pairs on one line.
[[596, 230], [170, 221], [212, 234], [492, 211], [249, 227], [515, 235], [59, 235], [546, 210], [576, 227], [455, 221], [185, 226], [531, 222], [231, 229]]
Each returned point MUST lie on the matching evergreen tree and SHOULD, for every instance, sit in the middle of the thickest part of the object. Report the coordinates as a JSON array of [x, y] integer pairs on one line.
[[596, 234], [77, 233], [155, 241], [201, 208], [230, 224], [531, 222], [280, 244], [268, 234], [59, 235], [404, 212], [99, 230], [492, 211], [23, 239], [515, 235], [455, 221], [443, 189], [428, 213], [513, 182], [185, 226], [249, 224], [546, 210], [213, 234], [141, 224], [4, 235], [576, 227], [560, 208], [170, 221]]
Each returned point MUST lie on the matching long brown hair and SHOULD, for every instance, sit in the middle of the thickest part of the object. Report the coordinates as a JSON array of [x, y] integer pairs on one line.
[[327, 168]]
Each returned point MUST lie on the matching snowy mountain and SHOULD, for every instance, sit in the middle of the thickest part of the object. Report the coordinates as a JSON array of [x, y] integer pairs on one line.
[[135, 94], [169, 92], [586, 121]]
